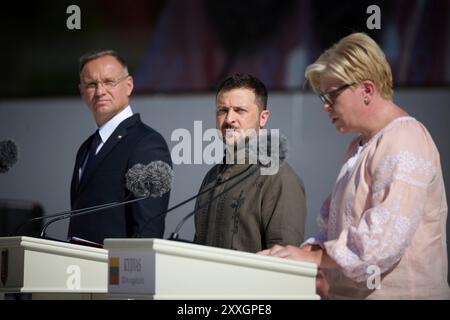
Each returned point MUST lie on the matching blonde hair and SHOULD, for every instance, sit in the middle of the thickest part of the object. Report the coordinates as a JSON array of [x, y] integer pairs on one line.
[[353, 59]]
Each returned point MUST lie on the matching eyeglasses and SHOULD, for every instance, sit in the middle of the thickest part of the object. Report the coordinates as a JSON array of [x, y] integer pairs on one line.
[[108, 84], [330, 96]]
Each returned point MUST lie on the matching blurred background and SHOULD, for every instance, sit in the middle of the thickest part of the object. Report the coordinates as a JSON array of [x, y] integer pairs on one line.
[[178, 51], [190, 45]]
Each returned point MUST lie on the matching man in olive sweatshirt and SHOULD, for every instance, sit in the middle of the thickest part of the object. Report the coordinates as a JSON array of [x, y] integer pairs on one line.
[[261, 210]]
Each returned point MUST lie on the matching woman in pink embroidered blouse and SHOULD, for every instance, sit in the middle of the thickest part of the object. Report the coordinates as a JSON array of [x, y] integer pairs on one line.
[[383, 227]]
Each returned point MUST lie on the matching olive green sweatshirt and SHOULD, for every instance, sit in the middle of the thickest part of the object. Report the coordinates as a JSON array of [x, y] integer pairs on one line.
[[259, 212]]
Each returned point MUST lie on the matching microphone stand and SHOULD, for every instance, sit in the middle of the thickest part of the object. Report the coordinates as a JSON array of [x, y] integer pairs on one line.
[[64, 213], [137, 235], [82, 213]]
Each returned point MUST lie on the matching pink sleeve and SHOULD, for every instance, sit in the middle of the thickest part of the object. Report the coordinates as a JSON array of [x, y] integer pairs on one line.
[[322, 221], [401, 168]]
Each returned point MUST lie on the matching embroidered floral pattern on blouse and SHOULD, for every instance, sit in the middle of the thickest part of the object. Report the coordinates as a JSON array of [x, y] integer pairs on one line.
[[400, 167], [384, 231]]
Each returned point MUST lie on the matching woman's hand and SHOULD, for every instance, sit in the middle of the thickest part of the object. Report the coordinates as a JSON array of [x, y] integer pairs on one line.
[[308, 253], [295, 253]]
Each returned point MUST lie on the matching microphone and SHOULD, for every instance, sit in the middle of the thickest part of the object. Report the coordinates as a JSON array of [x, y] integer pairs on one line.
[[143, 181], [271, 150], [9, 154], [154, 179]]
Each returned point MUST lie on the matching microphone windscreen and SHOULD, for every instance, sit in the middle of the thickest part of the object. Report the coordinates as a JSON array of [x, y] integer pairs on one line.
[[284, 147], [153, 179], [271, 145], [9, 154]]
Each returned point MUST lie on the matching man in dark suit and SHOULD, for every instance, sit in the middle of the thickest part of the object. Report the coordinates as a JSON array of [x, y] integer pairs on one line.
[[121, 141]]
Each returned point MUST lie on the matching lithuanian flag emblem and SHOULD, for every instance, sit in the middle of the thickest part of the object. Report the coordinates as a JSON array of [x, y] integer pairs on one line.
[[114, 264]]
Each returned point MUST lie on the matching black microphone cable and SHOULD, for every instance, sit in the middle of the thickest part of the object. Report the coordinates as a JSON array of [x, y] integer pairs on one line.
[[174, 235]]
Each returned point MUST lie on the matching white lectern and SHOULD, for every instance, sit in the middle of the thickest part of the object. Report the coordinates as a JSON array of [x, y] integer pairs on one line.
[[163, 269], [51, 269]]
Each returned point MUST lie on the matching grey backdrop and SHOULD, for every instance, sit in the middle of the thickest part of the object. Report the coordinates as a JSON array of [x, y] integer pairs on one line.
[[49, 131]]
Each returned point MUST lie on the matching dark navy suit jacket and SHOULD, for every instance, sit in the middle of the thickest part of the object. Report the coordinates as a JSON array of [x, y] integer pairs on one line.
[[132, 142]]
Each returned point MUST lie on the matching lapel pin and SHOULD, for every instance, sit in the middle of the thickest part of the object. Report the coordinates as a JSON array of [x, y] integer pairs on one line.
[[119, 137]]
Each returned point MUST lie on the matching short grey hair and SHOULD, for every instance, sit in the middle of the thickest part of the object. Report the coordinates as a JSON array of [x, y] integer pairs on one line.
[[92, 55]]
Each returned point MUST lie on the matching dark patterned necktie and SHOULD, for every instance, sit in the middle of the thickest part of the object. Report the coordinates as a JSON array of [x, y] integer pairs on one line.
[[96, 140]]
